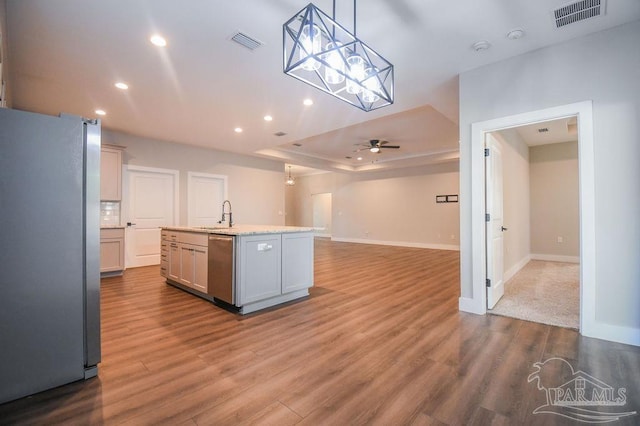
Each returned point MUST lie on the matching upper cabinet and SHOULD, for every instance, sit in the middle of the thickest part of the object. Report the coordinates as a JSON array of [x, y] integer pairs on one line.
[[111, 173]]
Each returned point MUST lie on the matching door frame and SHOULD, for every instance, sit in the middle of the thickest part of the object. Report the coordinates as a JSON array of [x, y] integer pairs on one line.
[[586, 159], [126, 169]]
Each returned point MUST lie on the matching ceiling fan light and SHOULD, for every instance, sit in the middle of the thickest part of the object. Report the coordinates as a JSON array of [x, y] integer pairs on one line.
[[375, 149], [311, 43]]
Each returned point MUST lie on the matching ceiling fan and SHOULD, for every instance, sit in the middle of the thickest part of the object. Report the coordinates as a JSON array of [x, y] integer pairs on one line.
[[375, 145]]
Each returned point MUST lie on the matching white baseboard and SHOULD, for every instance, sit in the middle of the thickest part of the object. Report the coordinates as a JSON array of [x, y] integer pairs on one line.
[[398, 243], [467, 304], [612, 333], [555, 258], [508, 274]]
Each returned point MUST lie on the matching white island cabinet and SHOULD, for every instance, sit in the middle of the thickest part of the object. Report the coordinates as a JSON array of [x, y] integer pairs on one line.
[[271, 264]]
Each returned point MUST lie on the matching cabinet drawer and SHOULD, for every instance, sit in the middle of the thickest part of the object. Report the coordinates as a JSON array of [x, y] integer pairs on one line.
[[111, 233], [166, 235], [194, 238]]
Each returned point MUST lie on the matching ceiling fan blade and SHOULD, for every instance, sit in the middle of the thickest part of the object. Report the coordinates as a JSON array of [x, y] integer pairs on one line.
[[390, 146]]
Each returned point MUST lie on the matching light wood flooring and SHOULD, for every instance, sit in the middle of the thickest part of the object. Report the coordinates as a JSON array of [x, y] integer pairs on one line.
[[379, 341]]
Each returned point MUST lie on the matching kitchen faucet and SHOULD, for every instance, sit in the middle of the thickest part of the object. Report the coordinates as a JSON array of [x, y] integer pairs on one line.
[[229, 213]]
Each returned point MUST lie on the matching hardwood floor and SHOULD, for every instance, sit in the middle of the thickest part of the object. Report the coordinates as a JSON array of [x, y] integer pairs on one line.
[[379, 341]]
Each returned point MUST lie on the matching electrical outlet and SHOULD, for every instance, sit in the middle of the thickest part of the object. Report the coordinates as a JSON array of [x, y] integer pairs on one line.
[[560, 240], [453, 237]]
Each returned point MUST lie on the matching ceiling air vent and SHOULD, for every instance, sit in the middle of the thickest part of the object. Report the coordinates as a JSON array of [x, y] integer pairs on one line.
[[279, 134], [246, 41], [578, 11]]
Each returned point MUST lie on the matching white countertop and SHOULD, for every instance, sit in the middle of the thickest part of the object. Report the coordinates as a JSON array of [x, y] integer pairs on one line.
[[241, 229]]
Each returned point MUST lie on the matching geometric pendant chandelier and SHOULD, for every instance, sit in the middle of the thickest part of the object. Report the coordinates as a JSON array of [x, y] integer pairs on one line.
[[322, 53]]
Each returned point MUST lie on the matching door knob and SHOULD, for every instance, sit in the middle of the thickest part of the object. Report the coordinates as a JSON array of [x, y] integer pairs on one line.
[[502, 228], [130, 224]]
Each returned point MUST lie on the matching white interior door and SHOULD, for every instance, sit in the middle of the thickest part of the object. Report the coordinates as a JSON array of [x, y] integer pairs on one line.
[[151, 202], [494, 208], [206, 193]]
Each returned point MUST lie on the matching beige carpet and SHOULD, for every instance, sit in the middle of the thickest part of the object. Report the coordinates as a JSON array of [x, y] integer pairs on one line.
[[545, 292]]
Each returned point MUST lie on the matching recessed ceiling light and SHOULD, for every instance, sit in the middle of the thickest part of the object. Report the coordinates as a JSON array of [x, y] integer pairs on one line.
[[268, 118], [307, 102], [359, 158], [238, 130], [101, 112], [481, 45], [515, 34], [158, 40], [122, 86]]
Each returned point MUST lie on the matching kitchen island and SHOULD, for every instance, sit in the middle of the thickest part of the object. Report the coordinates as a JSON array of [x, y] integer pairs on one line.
[[244, 268]]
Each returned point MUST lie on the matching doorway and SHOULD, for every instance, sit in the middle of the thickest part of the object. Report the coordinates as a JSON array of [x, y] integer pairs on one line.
[[150, 201], [584, 113], [321, 205], [540, 225]]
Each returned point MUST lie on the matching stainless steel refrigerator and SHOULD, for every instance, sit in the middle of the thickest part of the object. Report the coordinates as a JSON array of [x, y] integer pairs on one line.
[[50, 251]]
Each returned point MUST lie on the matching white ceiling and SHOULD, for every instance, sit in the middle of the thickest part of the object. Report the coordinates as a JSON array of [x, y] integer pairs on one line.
[[66, 55]]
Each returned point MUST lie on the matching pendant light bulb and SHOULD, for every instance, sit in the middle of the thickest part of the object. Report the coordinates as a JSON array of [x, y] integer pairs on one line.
[[356, 72], [372, 84], [290, 181], [334, 73], [311, 42]]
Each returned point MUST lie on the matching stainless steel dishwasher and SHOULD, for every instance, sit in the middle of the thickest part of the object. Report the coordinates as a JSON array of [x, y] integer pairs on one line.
[[221, 267]]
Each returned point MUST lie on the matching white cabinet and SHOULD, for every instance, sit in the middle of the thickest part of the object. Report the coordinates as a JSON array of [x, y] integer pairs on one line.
[[111, 251], [111, 173], [297, 261], [193, 266], [259, 267], [174, 262], [273, 269], [184, 259]]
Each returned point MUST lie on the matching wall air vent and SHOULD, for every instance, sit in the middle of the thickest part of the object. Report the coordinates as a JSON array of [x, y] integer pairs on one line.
[[246, 41], [578, 11]]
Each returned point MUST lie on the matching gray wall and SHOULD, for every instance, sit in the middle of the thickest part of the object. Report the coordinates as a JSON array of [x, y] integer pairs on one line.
[[255, 185], [555, 200], [392, 207], [602, 67]]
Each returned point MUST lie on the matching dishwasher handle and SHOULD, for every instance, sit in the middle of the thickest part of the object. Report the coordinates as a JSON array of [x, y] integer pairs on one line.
[[219, 238]]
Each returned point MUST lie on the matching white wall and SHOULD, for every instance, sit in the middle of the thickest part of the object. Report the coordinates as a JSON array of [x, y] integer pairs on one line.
[[394, 207], [515, 174], [256, 186], [602, 67], [554, 202]]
